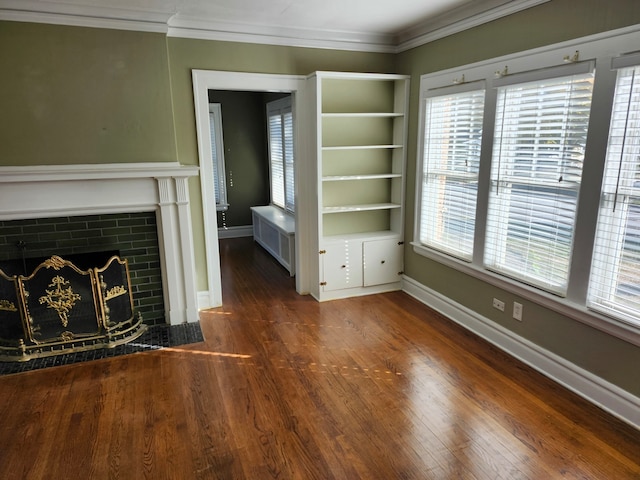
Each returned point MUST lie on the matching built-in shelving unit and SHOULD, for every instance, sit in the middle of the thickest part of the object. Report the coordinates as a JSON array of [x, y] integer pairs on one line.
[[361, 137]]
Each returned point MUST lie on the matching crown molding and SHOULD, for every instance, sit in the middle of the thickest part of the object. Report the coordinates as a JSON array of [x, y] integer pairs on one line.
[[190, 27], [181, 26], [459, 20], [37, 11]]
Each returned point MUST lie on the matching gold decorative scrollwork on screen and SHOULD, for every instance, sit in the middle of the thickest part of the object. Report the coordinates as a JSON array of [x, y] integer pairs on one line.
[[115, 292], [60, 299], [54, 262], [7, 306]]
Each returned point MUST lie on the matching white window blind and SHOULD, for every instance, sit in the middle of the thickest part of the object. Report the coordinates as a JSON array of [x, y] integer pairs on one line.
[[281, 156], [615, 276], [276, 159], [217, 153], [452, 138], [538, 152], [289, 191]]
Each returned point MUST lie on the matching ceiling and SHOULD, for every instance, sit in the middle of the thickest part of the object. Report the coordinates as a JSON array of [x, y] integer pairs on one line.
[[370, 25]]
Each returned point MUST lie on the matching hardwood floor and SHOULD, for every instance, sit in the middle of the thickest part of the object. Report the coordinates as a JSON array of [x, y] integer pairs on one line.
[[284, 387]]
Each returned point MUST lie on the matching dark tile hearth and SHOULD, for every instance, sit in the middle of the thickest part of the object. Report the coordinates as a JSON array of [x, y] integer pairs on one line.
[[155, 338]]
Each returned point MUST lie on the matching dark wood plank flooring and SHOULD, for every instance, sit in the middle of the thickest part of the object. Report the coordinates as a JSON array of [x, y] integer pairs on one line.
[[283, 387]]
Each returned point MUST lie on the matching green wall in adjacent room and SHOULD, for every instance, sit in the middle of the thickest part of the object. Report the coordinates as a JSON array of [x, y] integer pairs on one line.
[[558, 20], [72, 95], [245, 154]]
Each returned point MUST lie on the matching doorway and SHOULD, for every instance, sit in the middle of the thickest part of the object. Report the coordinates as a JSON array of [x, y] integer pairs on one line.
[[205, 80]]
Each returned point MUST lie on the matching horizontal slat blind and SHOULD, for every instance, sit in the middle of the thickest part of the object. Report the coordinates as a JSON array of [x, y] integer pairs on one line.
[[218, 162], [277, 159], [289, 163], [452, 138], [615, 276], [281, 153], [538, 152]]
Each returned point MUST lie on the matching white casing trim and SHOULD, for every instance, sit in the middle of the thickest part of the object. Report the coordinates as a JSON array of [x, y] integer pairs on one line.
[[205, 80]]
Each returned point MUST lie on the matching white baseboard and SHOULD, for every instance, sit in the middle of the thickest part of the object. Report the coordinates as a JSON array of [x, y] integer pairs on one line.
[[596, 390], [236, 232], [204, 301]]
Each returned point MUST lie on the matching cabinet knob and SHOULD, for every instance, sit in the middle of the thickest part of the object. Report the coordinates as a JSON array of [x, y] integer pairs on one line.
[[382, 261], [343, 266]]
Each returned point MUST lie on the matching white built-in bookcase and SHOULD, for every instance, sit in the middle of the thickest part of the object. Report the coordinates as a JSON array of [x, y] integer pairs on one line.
[[361, 124]]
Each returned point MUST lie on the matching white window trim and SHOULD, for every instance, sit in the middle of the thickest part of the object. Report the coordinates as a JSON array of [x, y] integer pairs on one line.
[[216, 109], [281, 106], [458, 89], [614, 210], [602, 49]]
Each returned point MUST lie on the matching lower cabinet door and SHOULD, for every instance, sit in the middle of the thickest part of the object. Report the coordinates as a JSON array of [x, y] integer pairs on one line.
[[382, 262], [342, 265]]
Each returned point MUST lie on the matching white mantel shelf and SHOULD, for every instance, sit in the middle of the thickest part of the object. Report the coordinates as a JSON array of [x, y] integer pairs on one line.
[[69, 190], [92, 172]]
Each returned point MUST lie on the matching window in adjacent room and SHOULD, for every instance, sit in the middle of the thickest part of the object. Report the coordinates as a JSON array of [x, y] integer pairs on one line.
[[281, 157], [217, 153]]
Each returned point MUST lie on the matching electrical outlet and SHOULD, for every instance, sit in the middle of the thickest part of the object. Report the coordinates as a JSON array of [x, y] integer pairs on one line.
[[517, 311], [499, 304]]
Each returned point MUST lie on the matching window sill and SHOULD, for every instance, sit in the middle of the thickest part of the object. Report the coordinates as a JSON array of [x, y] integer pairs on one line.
[[616, 328]]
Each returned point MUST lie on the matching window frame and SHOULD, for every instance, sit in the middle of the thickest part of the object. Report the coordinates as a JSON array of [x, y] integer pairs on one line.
[[282, 107], [617, 200], [215, 127], [423, 173], [508, 183], [600, 49]]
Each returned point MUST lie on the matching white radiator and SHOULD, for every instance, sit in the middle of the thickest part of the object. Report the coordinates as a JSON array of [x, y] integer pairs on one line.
[[275, 231]]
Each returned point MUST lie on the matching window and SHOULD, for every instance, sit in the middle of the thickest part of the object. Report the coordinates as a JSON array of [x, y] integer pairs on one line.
[[281, 158], [528, 177], [451, 159], [217, 153], [615, 276], [536, 168]]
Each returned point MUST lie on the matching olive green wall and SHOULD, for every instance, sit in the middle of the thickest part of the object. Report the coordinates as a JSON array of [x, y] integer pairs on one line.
[[552, 22], [245, 154], [188, 54], [73, 95]]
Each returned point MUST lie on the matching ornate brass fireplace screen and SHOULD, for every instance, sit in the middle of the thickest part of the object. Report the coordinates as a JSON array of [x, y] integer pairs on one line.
[[60, 308]]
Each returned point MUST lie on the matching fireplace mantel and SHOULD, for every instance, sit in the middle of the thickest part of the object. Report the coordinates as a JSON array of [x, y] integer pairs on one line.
[[71, 190]]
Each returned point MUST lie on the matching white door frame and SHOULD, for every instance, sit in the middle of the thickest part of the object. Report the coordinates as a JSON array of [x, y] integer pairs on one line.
[[205, 80]]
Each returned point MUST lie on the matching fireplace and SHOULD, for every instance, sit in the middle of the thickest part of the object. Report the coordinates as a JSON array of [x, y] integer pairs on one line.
[[86, 194], [60, 308], [89, 241]]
